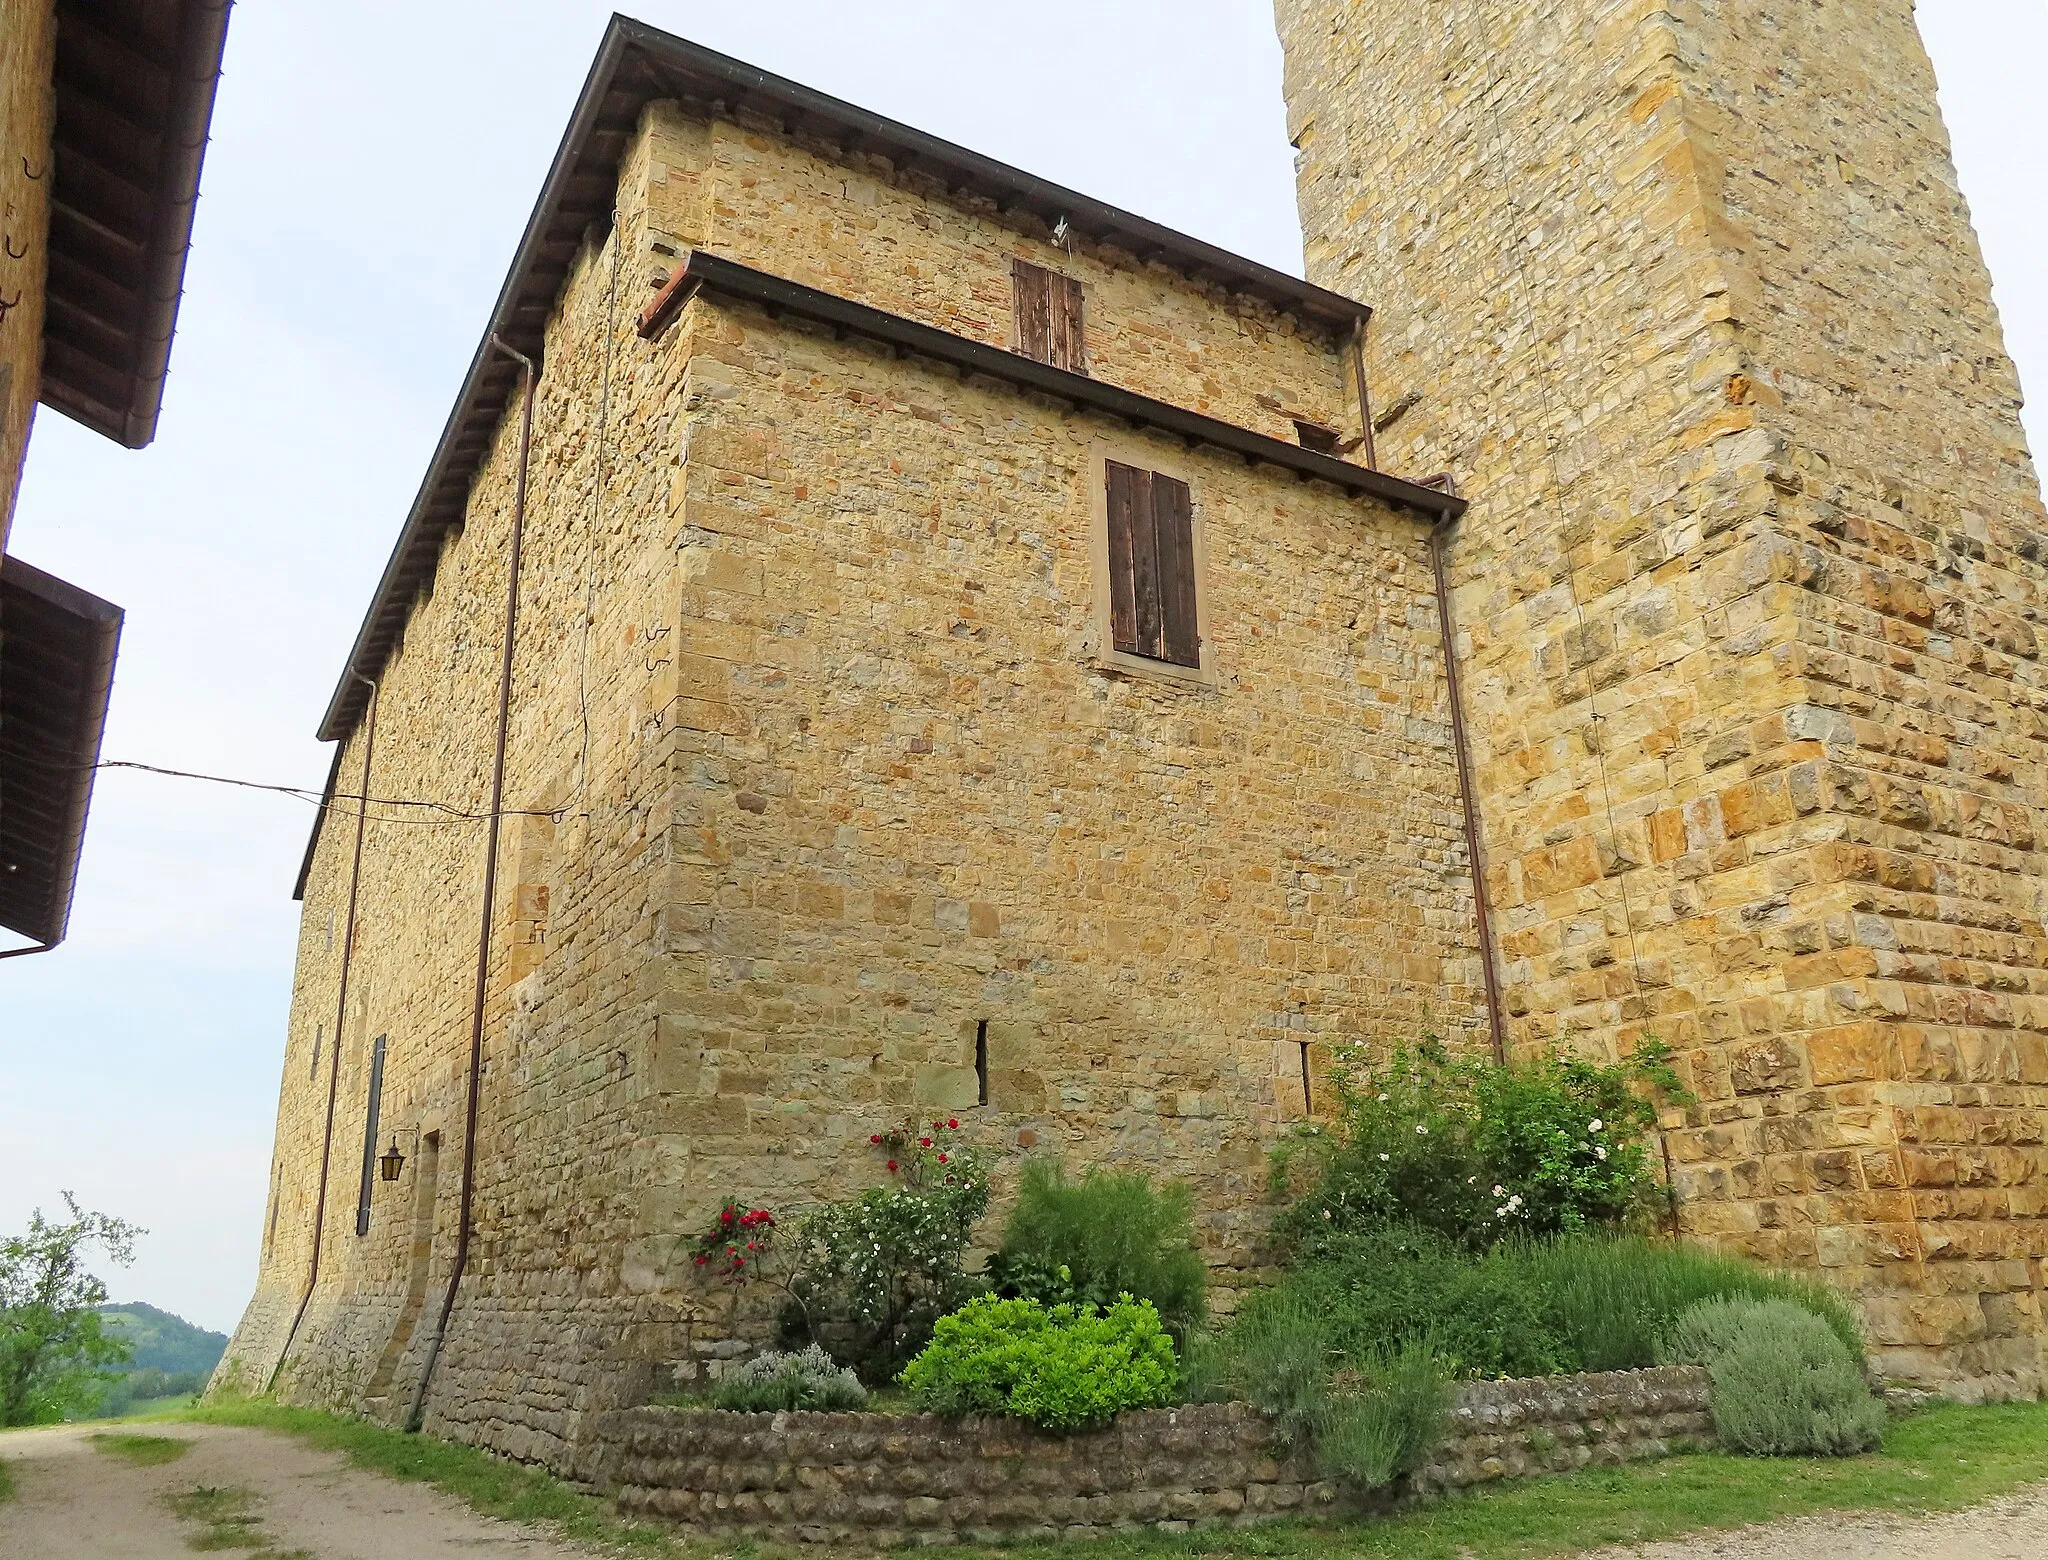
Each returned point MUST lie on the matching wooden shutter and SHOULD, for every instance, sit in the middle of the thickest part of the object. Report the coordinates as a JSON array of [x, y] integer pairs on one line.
[[1152, 566], [370, 1135], [1048, 316]]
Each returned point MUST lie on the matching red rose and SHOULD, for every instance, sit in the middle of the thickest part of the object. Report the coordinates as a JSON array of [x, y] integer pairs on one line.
[[953, 1122], [725, 1217], [739, 1261], [892, 1164], [876, 1138], [924, 1142]]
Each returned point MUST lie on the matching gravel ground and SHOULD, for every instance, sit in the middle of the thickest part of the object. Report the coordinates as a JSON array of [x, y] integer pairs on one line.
[[73, 1501], [2014, 1527]]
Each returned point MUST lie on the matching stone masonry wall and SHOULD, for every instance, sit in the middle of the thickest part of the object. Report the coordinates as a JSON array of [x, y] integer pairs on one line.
[[1685, 297], [28, 42], [912, 802], [876, 1479], [813, 770]]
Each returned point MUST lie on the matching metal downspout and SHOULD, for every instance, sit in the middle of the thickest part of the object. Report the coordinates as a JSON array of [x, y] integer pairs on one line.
[[348, 950], [416, 1414]]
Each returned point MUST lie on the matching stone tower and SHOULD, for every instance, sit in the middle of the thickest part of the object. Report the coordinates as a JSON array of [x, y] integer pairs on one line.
[[1685, 297]]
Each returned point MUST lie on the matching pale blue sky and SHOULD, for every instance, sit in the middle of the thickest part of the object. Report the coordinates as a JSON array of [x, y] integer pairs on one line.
[[371, 168]]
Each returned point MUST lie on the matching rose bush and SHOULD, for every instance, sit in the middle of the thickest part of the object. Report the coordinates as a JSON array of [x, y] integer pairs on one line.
[[872, 1275], [1475, 1150]]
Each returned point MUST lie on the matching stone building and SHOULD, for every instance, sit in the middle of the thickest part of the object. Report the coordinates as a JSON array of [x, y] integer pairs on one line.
[[955, 669], [966, 656]]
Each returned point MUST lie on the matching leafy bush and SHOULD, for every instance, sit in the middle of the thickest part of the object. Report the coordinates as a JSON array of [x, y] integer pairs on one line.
[[1061, 1367], [873, 1275], [1784, 1384], [1371, 1413], [1388, 1418], [1524, 1308], [774, 1381], [1478, 1151], [1612, 1298], [1086, 1241]]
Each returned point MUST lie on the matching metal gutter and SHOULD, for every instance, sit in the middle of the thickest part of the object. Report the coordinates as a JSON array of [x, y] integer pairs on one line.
[[729, 279], [635, 65]]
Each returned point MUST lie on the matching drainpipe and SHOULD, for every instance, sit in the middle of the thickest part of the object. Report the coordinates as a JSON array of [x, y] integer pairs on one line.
[[348, 949], [417, 1413], [1480, 909]]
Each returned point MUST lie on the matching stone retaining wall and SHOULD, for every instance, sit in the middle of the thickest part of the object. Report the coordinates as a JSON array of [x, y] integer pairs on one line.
[[888, 1480], [1505, 1429]]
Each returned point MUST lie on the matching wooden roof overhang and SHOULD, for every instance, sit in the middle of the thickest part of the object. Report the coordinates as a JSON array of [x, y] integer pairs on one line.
[[134, 84], [635, 65], [57, 648]]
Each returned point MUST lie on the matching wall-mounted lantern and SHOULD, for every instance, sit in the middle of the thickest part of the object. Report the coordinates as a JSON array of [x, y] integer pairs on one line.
[[391, 1163]]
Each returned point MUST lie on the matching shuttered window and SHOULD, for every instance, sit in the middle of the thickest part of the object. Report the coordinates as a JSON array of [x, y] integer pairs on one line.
[[1048, 309], [370, 1135], [1152, 566]]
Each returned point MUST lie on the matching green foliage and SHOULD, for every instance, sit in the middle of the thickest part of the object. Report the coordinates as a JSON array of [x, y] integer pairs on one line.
[[54, 1343], [1476, 1151], [1784, 1385], [1386, 1289], [873, 1275], [1109, 1233], [1387, 1418], [157, 1340], [1060, 1367], [1523, 1308], [148, 1385], [1612, 1299], [1372, 1412], [807, 1378]]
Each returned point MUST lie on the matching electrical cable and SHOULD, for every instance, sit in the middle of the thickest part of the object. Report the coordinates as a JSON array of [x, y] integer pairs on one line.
[[307, 793]]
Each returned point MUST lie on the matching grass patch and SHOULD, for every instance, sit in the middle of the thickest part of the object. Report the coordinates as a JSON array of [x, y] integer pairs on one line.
[[226, 1520], [1941, 1460], [488, 1484], [145, 1451]]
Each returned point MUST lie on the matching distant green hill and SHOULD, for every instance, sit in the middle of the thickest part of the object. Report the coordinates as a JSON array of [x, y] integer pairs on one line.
[[165, 1342]]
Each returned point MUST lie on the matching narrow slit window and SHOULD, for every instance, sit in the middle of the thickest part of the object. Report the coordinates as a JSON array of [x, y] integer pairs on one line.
[[1308, 1098], [981, 1062], [370, 1134], [1048, 314], [313, 1067], [1152, 566]]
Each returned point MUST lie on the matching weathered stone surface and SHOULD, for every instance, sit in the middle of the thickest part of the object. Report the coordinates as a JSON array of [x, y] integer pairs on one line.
[[1686, 299], [1171, 1469], [818, 769]]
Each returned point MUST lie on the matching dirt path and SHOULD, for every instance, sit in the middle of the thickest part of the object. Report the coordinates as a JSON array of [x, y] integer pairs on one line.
[[2014, 1527], [73, 1501]]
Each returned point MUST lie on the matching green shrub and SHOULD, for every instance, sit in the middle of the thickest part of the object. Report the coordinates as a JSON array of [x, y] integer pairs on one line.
[[1524, 1308], [1279, 1356], [1086, 1241], [1059, 1367], [871, 1276], [774, 1381], [1611, 1299], [1370, 1413], [1388, 1418], [1477, 1151], [1784, 1384]]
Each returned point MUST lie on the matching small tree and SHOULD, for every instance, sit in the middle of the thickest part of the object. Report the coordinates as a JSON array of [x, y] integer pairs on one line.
[[53, 1341]]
